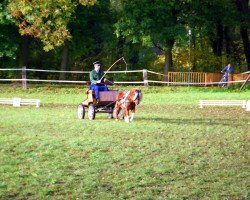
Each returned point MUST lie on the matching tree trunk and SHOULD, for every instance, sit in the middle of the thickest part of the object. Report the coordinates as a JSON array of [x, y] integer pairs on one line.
[[218, 42], [245, 40], [243, 8], [64, 62], [227, 41], [24, 52], [194, 57], [168, 58]]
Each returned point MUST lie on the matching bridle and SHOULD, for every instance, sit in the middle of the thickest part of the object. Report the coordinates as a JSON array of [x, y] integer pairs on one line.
[[137, 97]]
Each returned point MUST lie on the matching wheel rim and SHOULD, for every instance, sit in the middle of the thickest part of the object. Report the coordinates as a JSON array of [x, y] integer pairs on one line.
[[80, 112], [91, 112]]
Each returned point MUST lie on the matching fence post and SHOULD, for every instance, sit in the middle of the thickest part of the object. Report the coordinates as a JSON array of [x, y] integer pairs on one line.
[[242, 86], [145, 77], [205, 80], [168, 78], [24, 77], [248, 106]]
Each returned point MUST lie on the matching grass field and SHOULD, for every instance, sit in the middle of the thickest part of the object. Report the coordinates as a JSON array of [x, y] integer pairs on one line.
[[172, 150]]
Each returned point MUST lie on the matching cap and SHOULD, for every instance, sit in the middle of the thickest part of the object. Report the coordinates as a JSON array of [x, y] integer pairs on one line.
[[96, 62]]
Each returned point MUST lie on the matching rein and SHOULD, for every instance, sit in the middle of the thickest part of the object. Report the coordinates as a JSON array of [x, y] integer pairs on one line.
[[107, 105], [123, 98]]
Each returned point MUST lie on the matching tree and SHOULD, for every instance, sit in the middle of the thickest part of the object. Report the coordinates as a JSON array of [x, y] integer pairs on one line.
[[153, 23], [243, 8], [216, 21], [8, 33], [45, 19]]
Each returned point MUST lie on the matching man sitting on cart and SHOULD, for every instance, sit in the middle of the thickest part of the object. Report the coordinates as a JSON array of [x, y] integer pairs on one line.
[[97, 80]]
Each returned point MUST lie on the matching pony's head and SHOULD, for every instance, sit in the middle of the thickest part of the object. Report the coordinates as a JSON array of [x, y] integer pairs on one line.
[[136, 95]]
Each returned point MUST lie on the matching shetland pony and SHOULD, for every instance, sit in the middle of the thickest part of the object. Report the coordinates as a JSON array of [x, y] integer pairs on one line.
[[127, 101]]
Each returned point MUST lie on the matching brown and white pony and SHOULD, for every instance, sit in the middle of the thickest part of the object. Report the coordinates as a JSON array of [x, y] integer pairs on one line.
[[127, 101]]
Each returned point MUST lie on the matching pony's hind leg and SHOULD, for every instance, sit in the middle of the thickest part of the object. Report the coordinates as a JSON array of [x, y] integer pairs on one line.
[[116, 112]]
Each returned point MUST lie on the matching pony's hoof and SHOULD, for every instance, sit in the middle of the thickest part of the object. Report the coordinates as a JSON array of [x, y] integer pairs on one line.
[[127, 121]]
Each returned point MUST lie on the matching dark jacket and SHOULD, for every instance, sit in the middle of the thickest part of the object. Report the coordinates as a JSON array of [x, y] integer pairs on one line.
[[94, 76], [227, 70]]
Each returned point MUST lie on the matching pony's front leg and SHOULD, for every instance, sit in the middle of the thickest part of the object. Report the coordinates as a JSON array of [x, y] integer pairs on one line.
[[126, 115], [132, 115]]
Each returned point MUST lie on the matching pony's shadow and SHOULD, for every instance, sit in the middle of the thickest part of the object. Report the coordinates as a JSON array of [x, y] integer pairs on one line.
[[206, 121]]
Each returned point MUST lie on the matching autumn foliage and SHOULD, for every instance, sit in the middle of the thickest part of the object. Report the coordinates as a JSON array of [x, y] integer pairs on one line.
[[45, 19]]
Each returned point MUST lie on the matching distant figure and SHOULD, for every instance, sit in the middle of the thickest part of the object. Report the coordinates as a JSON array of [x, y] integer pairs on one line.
[[95, 78], [227, 70]]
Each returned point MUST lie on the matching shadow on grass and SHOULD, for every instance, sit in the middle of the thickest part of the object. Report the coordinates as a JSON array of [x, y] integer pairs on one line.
[[226, 122]]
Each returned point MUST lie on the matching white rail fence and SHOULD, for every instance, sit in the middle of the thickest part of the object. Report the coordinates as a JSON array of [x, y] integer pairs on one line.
[[242, 103], [143, 80], [17, 102]]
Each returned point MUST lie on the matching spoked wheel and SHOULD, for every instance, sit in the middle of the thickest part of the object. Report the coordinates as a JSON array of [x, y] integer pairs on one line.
[[91, 112], [80, 111]]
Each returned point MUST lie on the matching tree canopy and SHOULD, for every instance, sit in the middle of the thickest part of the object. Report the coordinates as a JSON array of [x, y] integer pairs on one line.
[[45, 19], [70, 34]]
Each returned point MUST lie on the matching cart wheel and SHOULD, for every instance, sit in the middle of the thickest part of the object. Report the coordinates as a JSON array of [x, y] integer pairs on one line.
[[121, 114], [80, 111], [91, 112]]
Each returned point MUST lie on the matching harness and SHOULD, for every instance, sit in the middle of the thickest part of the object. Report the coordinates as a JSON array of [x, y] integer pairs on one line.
[[124, 98]]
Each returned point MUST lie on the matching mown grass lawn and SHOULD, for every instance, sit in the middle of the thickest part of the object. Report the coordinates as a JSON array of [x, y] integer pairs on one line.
[[173, 149]]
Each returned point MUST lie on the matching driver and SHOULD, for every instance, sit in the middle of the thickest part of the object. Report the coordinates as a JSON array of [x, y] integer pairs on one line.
[[95, 78]]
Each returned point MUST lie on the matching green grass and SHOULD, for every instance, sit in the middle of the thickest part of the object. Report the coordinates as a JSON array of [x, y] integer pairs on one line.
[[173, 149]]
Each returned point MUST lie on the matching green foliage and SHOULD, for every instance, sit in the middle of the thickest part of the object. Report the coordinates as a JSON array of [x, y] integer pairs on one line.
[[46, 20], [5, 17], [202, 58], [147, 23], [91, 28], [107, 30], [8, 45], [156, 23]]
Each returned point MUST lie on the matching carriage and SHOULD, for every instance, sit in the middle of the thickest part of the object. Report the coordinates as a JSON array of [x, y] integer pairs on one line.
[[105, 104]]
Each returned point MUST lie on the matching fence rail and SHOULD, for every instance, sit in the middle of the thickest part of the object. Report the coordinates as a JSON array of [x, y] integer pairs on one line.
[[173, 78], [192, 77]]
